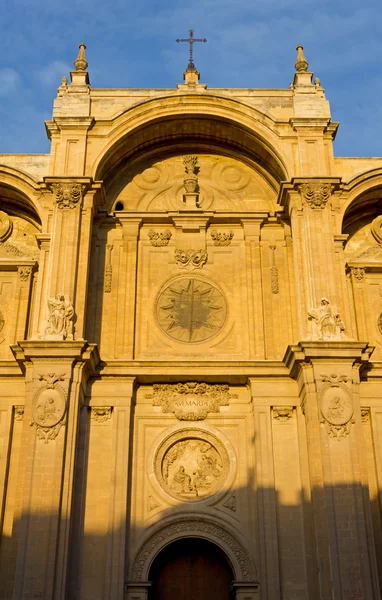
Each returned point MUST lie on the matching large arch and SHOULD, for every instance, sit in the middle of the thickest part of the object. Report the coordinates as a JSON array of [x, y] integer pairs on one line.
[[210, 529], [189, 120]]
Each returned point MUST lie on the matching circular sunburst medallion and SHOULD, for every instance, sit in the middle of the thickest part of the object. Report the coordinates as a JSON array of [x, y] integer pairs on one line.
[[191, 310], [6, 226], [191, 465]]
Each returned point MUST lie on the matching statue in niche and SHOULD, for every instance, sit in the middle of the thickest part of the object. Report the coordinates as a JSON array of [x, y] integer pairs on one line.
[[329, 325], [59, 322]]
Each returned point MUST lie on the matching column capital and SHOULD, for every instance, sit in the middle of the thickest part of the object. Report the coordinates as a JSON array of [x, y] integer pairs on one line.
[[313, 192]]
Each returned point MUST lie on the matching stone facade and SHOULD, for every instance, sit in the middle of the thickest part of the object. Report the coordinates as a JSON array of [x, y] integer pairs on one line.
[[190, 344]]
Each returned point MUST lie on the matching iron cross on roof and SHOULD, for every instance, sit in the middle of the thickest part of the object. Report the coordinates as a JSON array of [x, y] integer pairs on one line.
[[191, 40]]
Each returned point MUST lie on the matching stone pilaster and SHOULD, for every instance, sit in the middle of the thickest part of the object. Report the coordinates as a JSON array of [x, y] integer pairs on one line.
[[328, 375], [55, 375], [66, 271], [309, 204]]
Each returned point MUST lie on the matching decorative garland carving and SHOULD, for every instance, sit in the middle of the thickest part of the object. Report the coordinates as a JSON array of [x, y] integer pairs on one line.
[[282, 413], [274, 272], [159, 238], [316, 194], [101, 414], [336, 405], [49, 407], [220, 238], [68, 194], [193, 527], [19, 413], [195, 259], [190, 401]]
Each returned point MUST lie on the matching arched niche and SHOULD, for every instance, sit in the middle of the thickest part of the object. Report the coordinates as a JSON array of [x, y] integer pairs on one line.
[[168, 531]]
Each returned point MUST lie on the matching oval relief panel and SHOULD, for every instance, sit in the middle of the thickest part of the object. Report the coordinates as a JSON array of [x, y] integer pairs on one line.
[[191, 310], [191, 465]]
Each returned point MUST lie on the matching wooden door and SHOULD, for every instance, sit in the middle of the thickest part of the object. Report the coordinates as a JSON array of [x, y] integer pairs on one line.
[[191, 569]]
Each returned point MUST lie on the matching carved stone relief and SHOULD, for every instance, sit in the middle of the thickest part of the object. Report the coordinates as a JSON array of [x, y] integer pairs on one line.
[[19, 239], [101, 414], [336, 405], [191, 183], [49, 407], [365, 414], [60, 326], [282, 413], [191, 310], [376, 229], [221, 238], [223, 184], [194, 259], [379, 324], [19, 413], [316, 194], [191, 465], [358, 274], [328, 325], [152, 504], [159, 238], [24, 273], [190, 401], [67, 194]]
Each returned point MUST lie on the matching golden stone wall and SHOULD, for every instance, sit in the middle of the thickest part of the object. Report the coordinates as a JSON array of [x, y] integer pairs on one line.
[[190, 345]]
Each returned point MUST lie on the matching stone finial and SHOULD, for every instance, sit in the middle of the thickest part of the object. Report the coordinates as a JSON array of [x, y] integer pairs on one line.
[[301, 62], [81, 63]]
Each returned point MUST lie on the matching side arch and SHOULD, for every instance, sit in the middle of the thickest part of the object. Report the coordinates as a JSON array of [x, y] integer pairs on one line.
[[361, 191], [18, 186], [170, 530]]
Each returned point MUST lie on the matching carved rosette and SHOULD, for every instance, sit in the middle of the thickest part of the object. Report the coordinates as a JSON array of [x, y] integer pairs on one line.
[[159, 238], [68, 194], [316, 194], [191, 465], [221, 238], [190, 401], [336, 405], [282, 413], [49, 407], [194, 259], [101, 414]]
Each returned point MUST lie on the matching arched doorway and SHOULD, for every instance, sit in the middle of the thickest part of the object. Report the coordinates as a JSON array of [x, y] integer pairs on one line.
[[191, 569]]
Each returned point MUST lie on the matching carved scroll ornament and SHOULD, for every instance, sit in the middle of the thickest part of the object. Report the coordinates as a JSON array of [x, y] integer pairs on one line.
[[316, 194], [159, 238], [221, 238], [195, 259], [67, 194]]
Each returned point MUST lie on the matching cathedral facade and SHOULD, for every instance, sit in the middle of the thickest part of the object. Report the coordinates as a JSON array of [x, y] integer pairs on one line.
[[190, 349]]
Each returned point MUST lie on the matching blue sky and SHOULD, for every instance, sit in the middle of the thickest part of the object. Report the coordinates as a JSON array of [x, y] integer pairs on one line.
[[251, 43]]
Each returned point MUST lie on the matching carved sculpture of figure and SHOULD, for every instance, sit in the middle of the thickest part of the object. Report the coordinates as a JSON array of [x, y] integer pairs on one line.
[[183, 480], [328, 321], [61, 312], [46, 411]]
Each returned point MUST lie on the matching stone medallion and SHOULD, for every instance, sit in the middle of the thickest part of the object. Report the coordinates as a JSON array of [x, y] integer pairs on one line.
[[191, 310], [49, 408], [336, 405], [191, 465]]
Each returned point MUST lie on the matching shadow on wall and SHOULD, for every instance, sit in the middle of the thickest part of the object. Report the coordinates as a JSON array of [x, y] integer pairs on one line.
[[318, 548]]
